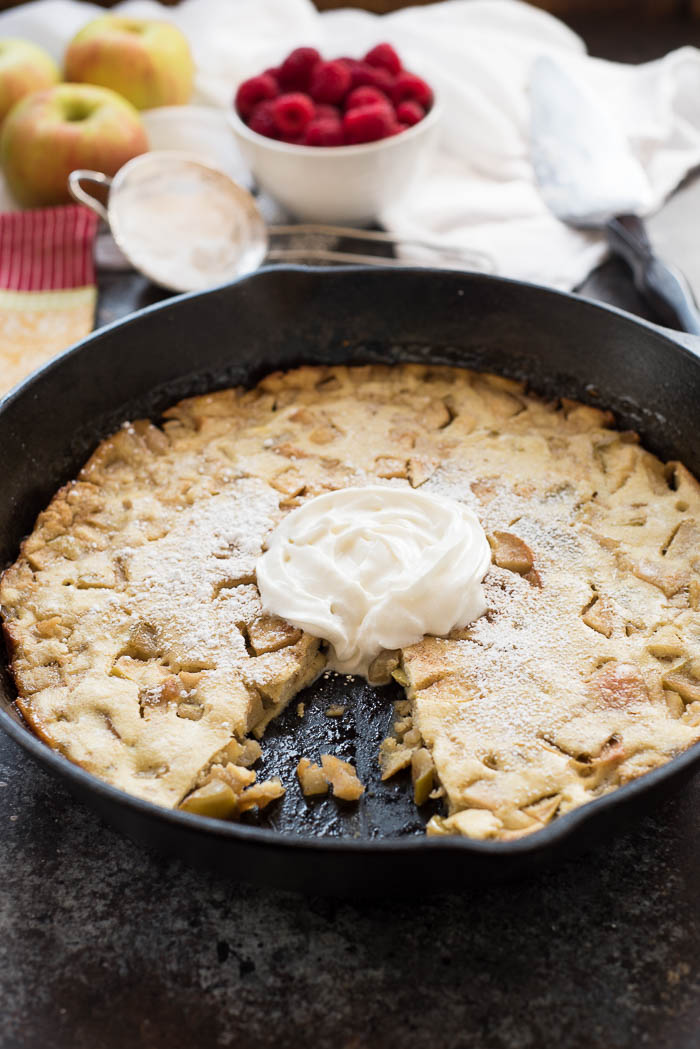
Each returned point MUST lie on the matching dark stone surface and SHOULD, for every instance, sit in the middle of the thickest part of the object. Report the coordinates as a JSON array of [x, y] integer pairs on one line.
[[104, 945]]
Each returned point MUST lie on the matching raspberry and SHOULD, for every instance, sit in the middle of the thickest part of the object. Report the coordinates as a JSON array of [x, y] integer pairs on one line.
[[349, 64], [398, 128], [368, 123], [323, 109], [365, 96], [274, 72], [292, 112], [324, 131], [253, 91], [263, 119], [409, 87], [384, 56], [363, 75], [409, 112], [295, 71], [330, 82]]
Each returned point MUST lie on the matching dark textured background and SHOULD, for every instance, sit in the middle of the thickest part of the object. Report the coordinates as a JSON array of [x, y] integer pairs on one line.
[[105, 946]]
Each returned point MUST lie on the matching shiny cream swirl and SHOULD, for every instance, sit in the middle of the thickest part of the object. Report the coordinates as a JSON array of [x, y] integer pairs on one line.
[[375, 568]]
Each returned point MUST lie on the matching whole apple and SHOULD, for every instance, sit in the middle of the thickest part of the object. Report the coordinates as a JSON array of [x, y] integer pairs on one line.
[[148, 62], [24, 68], [50, 133]]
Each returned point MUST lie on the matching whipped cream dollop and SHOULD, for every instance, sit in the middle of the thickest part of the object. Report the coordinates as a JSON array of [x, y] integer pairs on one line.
[[375, 568]]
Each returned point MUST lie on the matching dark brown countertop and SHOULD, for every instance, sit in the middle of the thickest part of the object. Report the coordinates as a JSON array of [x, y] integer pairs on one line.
[[104, 945]]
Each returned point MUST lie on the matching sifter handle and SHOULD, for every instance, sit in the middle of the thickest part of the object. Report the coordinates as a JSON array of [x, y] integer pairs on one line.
[[75, 180]]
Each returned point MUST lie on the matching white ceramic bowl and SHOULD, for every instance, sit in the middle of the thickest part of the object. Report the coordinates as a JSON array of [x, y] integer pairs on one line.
[[347, 185]]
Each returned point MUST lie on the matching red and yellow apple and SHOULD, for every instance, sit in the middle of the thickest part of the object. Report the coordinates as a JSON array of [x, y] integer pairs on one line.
[[148, 62], [24, 68], [50, 133]]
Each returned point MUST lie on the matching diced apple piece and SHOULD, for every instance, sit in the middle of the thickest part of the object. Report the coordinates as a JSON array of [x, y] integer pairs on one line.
[[260, 794], [422, 775], [342, 777], [215, 799], [685, 680], [511, 553], [312, 778]]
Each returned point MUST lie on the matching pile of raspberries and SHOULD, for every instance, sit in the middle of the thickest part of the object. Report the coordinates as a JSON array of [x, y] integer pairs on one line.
[[311, 102]]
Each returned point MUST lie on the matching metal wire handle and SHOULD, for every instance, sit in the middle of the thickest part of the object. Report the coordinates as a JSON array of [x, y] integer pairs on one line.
[[369, 236], [75, 180], [351, 257]]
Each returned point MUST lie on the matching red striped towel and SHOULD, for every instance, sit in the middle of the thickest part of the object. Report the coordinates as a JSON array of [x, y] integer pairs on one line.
[[47, 286]]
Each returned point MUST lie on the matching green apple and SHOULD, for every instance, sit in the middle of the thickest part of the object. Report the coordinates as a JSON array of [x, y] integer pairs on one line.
[[50, 133], [24, 68], [148, 62]]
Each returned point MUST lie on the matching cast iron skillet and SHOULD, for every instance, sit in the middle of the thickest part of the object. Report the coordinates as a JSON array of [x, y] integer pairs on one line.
[[279, 318]]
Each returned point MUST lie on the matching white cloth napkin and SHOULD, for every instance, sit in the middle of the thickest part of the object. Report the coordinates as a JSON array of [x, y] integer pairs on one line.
[[479, 193]]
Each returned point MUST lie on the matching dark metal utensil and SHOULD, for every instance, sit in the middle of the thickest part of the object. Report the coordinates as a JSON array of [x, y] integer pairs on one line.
[[589, 178]]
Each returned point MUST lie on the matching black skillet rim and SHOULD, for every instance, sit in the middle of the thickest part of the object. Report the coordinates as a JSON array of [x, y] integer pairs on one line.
[[553, 834]]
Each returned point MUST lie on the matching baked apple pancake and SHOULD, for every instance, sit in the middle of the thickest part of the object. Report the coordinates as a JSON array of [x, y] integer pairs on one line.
[[142, 650]]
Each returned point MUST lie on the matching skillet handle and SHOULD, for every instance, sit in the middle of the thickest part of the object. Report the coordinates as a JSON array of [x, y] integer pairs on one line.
[[75, 181], [664, 287]]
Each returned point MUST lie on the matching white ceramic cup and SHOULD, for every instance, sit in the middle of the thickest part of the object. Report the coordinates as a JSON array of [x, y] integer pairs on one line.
[[347, 185]]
